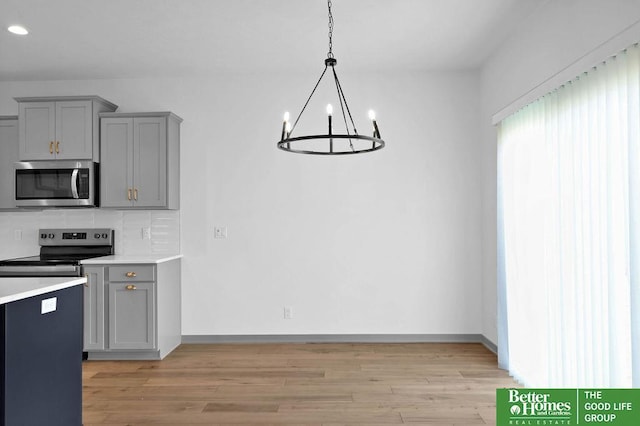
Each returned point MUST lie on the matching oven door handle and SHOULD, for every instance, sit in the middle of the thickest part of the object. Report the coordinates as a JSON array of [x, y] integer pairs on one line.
[[40, 270], [74, 183]]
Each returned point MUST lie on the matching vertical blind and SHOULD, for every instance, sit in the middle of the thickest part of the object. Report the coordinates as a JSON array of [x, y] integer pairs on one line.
[[569, 225]]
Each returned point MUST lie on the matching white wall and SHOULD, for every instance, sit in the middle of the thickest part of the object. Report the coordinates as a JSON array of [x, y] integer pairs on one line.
[[386, 242], [557, 35]]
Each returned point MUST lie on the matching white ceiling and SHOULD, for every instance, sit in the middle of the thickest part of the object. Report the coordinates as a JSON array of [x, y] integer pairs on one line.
[[87, 39]]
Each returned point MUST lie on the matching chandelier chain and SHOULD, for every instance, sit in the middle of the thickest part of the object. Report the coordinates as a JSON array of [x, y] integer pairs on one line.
[[330, 53]]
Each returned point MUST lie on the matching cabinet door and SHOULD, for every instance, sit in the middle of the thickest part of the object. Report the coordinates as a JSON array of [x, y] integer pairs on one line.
[[132, 316], [74, 130], [37, 133], [150, 161], [94, 309], [8, 155], [116, 162]]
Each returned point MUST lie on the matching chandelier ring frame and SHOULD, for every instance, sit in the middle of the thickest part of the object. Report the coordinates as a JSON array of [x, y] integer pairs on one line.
[[286, 144]]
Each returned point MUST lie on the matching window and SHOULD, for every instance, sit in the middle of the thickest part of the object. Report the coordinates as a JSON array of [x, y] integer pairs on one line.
[[569, 228]]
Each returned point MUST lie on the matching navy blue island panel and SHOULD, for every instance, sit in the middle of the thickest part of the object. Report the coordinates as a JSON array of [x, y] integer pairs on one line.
[[41, 359]]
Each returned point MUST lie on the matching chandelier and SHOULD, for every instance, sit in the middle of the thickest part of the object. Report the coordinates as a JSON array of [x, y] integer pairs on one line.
[[350, 142]]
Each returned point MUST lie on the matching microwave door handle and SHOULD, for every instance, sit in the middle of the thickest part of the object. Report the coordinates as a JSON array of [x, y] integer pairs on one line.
[[74, 183]]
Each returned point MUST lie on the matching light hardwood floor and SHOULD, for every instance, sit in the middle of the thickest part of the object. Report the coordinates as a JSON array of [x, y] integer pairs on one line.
[[302, 384]]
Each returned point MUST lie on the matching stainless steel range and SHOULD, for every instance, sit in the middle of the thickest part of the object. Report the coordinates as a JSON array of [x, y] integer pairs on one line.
[[61, 251]]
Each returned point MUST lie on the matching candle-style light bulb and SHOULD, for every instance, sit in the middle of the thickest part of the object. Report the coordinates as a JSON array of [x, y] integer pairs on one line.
[[329, 114], [372, 117], [284, 125]]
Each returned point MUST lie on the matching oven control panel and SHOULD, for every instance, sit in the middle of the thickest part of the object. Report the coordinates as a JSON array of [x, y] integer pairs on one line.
[[76, 237]]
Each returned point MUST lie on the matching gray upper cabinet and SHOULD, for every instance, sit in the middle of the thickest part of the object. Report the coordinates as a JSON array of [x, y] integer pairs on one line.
[[60, 127], [8, 155], [140, 160]]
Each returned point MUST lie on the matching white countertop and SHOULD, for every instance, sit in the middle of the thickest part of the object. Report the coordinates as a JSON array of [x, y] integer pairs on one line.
[[119, 258], [13, 289]]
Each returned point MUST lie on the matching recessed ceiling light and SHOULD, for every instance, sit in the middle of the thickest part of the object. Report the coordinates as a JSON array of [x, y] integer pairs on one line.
[[17, 29]]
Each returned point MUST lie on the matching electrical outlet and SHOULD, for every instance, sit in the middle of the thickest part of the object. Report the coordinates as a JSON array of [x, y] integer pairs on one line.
[[146, 233], [17, 234], [288, 312], [220, 232]]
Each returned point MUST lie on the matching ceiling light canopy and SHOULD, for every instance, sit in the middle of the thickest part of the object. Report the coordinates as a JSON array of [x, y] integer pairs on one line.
[[17, 29], [331, 143]]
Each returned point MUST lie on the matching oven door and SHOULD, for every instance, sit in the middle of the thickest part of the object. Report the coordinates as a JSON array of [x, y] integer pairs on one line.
[[59, 183]]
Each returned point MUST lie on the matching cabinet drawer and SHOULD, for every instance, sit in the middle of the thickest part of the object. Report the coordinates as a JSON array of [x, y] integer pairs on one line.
[[132, 273]]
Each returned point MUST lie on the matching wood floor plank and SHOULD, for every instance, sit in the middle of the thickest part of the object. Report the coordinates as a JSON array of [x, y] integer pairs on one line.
[[230, 407], [455, 416], [156, 393], [213, 381], [315, 384], [215, 372], [147, 406]]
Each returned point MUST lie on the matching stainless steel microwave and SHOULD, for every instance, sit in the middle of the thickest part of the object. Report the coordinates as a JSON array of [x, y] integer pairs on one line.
[[57, 183]]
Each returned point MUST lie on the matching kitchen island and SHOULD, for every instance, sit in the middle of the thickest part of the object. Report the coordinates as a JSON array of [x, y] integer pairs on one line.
[[41, 351]]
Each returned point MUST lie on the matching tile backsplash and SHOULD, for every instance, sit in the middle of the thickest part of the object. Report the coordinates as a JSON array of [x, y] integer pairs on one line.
[[19, 229]]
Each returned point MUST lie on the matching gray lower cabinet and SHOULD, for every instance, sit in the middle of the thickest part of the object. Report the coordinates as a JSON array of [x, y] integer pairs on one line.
[[140, 160], [8, 155], [132, 311], [94, 304]]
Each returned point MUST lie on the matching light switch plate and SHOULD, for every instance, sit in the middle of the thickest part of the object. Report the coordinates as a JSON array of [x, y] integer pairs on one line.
[[288, 312], [146, 233], [220, 232]]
